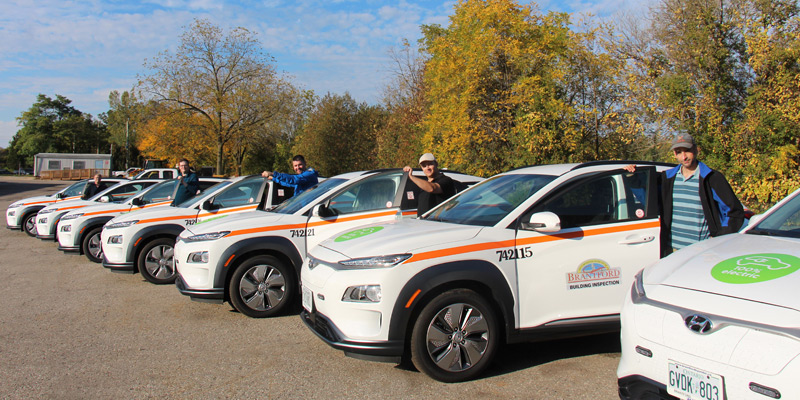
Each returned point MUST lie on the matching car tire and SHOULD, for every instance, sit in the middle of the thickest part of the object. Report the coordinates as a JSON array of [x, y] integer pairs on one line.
[[29, 224], [454, 350], [262, 287], [91, 245], [156, 263]]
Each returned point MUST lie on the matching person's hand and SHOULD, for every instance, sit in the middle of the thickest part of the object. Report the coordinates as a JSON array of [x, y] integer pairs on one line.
[[266, 174], [407, 169], [630, 168]]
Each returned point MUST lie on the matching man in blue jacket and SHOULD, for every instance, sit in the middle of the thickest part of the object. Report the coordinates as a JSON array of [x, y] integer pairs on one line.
[[302, 180], [696, 201]]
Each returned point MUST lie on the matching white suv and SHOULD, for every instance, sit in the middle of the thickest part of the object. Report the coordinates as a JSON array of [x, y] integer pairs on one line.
[[529, 254], [48, 217], [79, 230], [253, 260], [143, 240], [21, 214]]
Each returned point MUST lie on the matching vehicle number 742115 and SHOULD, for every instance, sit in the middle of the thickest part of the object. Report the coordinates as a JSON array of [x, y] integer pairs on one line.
[[514, 253]]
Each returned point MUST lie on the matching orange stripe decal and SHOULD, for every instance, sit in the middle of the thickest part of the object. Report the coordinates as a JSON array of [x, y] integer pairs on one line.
[[311, 224], [229, 259], [230, 210], [427, 255], [413, 296], [105, 212]]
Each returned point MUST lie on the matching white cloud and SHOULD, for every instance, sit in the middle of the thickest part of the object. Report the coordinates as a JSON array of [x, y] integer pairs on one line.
[[7, 131]]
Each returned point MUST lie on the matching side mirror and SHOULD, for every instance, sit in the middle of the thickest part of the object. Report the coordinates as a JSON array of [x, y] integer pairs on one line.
[[105, 199], [137, 201], [545, 222], [60, 196], [208, 205], [321, 211]]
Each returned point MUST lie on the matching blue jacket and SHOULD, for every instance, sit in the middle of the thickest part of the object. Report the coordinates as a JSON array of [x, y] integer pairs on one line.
[[723, 211], [300, 182]]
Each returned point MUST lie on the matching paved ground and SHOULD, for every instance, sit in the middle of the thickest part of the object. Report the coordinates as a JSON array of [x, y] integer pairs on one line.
[[71, 329]]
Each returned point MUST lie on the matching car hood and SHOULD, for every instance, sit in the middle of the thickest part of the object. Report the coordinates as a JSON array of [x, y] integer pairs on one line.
[[101, 208], [70, 204], [757, 268], [397, 237], [243, 221], [155, 213], [36, 199]]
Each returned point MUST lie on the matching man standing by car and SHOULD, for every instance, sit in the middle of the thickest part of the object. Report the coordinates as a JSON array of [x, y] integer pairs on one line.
[[302, 180], [94, 187], [436, 189], [188, 184], [696, 201]]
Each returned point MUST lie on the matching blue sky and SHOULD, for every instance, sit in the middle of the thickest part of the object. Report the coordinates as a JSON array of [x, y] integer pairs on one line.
[[85, 49]]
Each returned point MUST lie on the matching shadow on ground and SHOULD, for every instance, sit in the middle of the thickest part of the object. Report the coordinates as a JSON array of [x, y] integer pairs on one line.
[[19, 187]]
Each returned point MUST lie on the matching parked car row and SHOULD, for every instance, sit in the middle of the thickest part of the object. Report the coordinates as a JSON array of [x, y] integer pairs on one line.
[[532, 254]]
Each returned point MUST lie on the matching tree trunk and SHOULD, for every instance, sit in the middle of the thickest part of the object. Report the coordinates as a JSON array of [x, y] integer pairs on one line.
[[220, 152]]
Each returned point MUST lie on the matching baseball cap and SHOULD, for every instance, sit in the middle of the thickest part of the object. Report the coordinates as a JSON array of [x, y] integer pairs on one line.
[[427, 157], [683, 140]]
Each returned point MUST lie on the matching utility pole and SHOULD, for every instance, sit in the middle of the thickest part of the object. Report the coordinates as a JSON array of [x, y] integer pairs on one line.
[[127, 151]]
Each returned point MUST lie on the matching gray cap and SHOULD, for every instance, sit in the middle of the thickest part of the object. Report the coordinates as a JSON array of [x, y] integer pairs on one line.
[[683, 140], [427, 157]]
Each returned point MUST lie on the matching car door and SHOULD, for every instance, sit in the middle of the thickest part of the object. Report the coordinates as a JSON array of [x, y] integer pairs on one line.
[[579, 273], [238, 197], [160, 196], [373, 199]]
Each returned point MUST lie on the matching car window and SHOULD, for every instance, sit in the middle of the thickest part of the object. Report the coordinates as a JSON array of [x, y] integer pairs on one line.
[[240, 193], [76, 189], [296, 203], [783, 221], [161, 193], [168, 175], [599, 199], [489, 201], [372, 193], [123, 192]]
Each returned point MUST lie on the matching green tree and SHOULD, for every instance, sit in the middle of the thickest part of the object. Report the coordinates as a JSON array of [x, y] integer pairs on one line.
[[54, 126], [122, 120], [224, 77], [339, 135]]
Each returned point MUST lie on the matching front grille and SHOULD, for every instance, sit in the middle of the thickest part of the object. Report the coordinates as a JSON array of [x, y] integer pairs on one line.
[[321, 325]]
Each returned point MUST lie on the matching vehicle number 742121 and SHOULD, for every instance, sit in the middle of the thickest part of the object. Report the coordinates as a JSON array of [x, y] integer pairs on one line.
[[514, 253]]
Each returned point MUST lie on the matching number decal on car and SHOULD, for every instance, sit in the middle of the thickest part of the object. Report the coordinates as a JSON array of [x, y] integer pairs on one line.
[[514, 254], [301, 232], [190, 222]]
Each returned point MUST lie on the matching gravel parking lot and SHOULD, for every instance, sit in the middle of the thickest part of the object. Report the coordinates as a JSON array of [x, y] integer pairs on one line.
[[72, 329]]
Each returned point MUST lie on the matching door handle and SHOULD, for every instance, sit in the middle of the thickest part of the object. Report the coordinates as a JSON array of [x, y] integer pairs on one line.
[[635, 239]]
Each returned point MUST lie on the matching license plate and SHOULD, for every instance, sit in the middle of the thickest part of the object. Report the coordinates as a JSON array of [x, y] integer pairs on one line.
[[308, 299], [689, 383]]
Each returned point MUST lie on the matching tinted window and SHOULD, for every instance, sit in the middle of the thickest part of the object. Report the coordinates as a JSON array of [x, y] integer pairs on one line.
[[370, 194], [161, 193], [296, 203], [240, 193]]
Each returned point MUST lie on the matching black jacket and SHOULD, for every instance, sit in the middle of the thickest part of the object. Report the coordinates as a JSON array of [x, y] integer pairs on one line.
[[91, 189], [723, 211]]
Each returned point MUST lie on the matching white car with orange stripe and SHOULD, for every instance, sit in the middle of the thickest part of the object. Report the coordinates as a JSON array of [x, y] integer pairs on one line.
[[253, 260], [79, 230], [48, 217], [143, 240], [529, 254], [21, 214]]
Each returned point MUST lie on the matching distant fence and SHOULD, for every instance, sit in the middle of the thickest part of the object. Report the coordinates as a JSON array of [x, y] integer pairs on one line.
[[72, 174]]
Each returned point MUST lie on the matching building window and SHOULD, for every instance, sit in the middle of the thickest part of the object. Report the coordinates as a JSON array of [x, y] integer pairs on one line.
[[53, 164], [79, 165]]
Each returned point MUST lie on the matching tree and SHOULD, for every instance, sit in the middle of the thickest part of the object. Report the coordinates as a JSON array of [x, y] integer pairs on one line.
[[54, 126], [339, 135], [122, 120], [224, 78]]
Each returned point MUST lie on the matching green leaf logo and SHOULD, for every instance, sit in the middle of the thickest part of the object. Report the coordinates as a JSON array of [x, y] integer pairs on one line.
[[754, 268], [358, 233]]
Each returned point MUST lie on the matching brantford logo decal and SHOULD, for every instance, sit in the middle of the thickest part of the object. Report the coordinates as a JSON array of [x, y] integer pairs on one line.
[[358, 233], [753, 268], [593, 273]]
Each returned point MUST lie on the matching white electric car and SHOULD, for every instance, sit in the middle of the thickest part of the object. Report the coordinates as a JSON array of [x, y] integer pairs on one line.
[[21, 214], [253, 260], [79, 230], [719, 319], [530, 254], [143, 240], [47, 218]]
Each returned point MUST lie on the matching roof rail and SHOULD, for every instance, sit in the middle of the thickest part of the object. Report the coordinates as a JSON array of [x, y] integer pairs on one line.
[[622, 162]]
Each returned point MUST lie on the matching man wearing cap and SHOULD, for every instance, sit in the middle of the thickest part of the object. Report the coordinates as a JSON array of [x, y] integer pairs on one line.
[[436, 189], [697, 202]]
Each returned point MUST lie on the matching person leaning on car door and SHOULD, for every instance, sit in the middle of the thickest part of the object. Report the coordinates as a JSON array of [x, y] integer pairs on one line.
[[436, 189], [94, 187], [303, 179], [188, 184], [696, 201]]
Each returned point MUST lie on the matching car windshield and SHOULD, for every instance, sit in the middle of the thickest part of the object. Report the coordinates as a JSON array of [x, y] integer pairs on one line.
[[489, 201], [205, 194], [296, 203], [783, 221]]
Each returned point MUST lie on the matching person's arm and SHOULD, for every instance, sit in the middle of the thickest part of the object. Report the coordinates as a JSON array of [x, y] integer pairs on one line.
[[730, 208], [308, 176], [424, 184]]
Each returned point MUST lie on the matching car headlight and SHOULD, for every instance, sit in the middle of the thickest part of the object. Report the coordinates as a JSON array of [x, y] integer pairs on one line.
[[66, 228], [363, 293], [15, 205], [123, 224], [198, 257], [11, 213], [207, 236], [71, 216], [375, 262], [637, 290], [46, 211], [116, 239]]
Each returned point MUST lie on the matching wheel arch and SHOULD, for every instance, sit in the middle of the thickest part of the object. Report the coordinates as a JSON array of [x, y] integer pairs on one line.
[[85, 227], [149, 234], [279, 247], [480, 276]]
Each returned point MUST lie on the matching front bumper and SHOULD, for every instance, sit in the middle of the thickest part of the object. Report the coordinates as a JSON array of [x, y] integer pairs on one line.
[[70, 249], [203, 295], [383, 351], [126, 267], [14, 228]]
